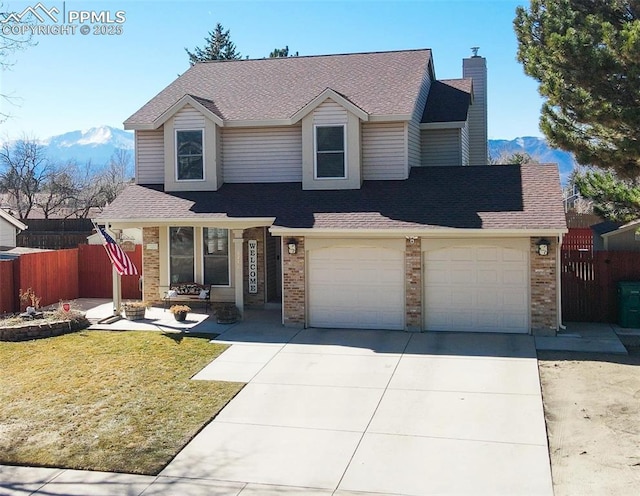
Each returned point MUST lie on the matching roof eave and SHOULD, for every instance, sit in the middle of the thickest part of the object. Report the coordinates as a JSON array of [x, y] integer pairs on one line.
[[426, 232]]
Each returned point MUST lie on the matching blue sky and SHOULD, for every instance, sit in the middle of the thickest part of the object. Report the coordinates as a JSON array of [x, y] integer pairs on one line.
[[80, 81]]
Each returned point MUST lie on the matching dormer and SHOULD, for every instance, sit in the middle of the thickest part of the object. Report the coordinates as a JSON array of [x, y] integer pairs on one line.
[[331, 151]]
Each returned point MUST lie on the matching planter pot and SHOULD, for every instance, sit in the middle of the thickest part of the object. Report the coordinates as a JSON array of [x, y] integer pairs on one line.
[[134, 313], [180, 316]]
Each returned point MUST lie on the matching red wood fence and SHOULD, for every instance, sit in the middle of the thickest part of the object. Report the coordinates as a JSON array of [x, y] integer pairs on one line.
[[94, 270], [590, 280], [578, 238], [83, 272]]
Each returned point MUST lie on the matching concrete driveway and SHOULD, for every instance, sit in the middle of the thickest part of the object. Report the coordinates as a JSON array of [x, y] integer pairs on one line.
[[348, 412]]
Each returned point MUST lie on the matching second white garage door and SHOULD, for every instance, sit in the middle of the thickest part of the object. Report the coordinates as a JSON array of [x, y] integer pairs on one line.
[[477, 288], [356, 287]]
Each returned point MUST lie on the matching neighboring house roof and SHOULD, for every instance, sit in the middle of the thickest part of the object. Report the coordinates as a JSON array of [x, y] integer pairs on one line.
[[12, 220], [449, 100], [505, 197], [379, 83], [610, 228]]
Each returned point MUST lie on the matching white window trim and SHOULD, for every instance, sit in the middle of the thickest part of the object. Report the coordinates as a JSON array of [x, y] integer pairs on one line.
[[229, 244], [175, 146], [315, 153]]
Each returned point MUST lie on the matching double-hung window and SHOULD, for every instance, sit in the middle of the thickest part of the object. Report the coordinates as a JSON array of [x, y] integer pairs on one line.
[[216, 256], [330, 160], [189, 155]]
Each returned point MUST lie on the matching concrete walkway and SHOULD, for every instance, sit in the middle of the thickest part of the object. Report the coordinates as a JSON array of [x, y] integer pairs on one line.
[[342, 412]]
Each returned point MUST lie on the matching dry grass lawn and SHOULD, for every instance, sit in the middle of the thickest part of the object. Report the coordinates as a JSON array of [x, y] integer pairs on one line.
[[112, 401]]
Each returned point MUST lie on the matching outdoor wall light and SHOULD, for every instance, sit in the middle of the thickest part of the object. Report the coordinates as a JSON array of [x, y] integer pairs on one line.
[[293, 246], [542, 247]]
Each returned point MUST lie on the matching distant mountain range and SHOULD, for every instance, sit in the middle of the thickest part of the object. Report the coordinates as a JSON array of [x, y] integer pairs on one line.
[[538, 149], [98, 144]]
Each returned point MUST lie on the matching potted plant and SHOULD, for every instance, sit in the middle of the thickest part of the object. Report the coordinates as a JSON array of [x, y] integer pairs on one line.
[[180, 312], [134, 310]]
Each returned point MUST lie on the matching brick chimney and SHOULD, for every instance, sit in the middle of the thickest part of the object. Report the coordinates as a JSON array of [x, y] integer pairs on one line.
[[475, 67]]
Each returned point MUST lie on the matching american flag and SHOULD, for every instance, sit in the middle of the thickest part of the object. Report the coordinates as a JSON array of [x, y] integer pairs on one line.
[[120, 260]]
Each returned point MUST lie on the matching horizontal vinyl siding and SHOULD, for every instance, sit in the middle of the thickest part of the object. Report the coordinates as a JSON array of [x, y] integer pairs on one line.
[[262, 155], [329, 113], [188, 118], [7, 234], [383, 151], [441, 147], [464, 137], [149, 156], [413, 131]]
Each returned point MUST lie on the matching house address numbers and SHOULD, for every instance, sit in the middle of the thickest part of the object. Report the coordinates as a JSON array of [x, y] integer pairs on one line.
[[253, 266]]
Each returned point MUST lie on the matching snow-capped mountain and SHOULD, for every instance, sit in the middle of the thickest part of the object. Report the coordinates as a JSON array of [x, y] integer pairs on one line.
[[538, 149], [96, 144]]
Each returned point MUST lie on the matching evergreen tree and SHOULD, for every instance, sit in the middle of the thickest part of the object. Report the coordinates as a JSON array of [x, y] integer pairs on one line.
[[586, 56], [218, 47], [613, 198], [281, 52]]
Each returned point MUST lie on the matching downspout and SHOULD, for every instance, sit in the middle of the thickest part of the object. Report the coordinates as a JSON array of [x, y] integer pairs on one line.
[[559, 282]]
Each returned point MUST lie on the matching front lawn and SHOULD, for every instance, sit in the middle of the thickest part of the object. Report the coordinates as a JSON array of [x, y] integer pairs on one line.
[[100, 400]]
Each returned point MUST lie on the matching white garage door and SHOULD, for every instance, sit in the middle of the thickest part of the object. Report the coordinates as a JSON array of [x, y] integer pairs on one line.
[[477, 288], [356, 287]]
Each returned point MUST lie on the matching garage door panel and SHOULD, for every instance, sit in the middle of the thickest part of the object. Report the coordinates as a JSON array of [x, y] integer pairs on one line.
[[476, 288], [356, 287]]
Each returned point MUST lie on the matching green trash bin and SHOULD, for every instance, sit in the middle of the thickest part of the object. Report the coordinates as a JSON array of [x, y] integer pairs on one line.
[[629, 304]]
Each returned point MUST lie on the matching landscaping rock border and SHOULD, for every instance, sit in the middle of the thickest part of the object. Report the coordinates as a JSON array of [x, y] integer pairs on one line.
[[32, 330]]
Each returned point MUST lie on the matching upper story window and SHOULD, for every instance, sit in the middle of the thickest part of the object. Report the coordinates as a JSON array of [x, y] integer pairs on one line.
[[330, 152], [189, 155]]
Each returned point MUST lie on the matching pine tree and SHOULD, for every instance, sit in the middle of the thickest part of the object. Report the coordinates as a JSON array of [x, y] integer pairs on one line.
[[218, 47], [586, 56]]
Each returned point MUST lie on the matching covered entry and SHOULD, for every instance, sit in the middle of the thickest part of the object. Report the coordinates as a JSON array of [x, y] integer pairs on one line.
[[476, 286], [358, 287]]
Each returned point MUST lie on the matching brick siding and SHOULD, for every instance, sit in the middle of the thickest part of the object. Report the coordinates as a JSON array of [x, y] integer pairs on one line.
[[151, 264], [544, 290], [293, 283], [413, 285]]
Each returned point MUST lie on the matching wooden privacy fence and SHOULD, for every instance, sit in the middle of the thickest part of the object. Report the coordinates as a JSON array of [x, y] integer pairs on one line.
[[83, 272], [94, 271], [590, 283]]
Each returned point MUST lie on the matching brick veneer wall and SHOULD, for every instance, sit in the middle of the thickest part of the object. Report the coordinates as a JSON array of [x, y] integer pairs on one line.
[[151, 264], [258, 298], [413, 282], [544, 290], [293, 280]]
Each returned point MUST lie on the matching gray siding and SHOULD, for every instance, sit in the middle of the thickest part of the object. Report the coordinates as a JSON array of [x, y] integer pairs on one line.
[[149, 156], [262, 154], [413, 129], [441, 147], [383, 151], [624, 241], [7, 234], [188, 118], [476, 68], [329, 113], [464, 138]]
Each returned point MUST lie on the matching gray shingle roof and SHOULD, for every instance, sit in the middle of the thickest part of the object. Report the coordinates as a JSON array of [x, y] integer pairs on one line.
[[449, 100], [380, 83], [498, 197]]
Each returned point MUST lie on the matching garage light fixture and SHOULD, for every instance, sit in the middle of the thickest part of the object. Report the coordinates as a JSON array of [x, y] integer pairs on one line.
[[293, 246], [542, 247]]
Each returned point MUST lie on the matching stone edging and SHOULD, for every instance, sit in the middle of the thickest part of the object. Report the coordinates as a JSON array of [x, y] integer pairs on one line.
[[33, 330]]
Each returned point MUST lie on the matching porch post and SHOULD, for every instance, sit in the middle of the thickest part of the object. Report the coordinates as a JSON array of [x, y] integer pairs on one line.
[[117, 290], [238, 250]]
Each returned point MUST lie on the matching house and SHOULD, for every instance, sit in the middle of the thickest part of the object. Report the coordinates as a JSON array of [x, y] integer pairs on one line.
[[9, 229], [616, 236], [350, 189]]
